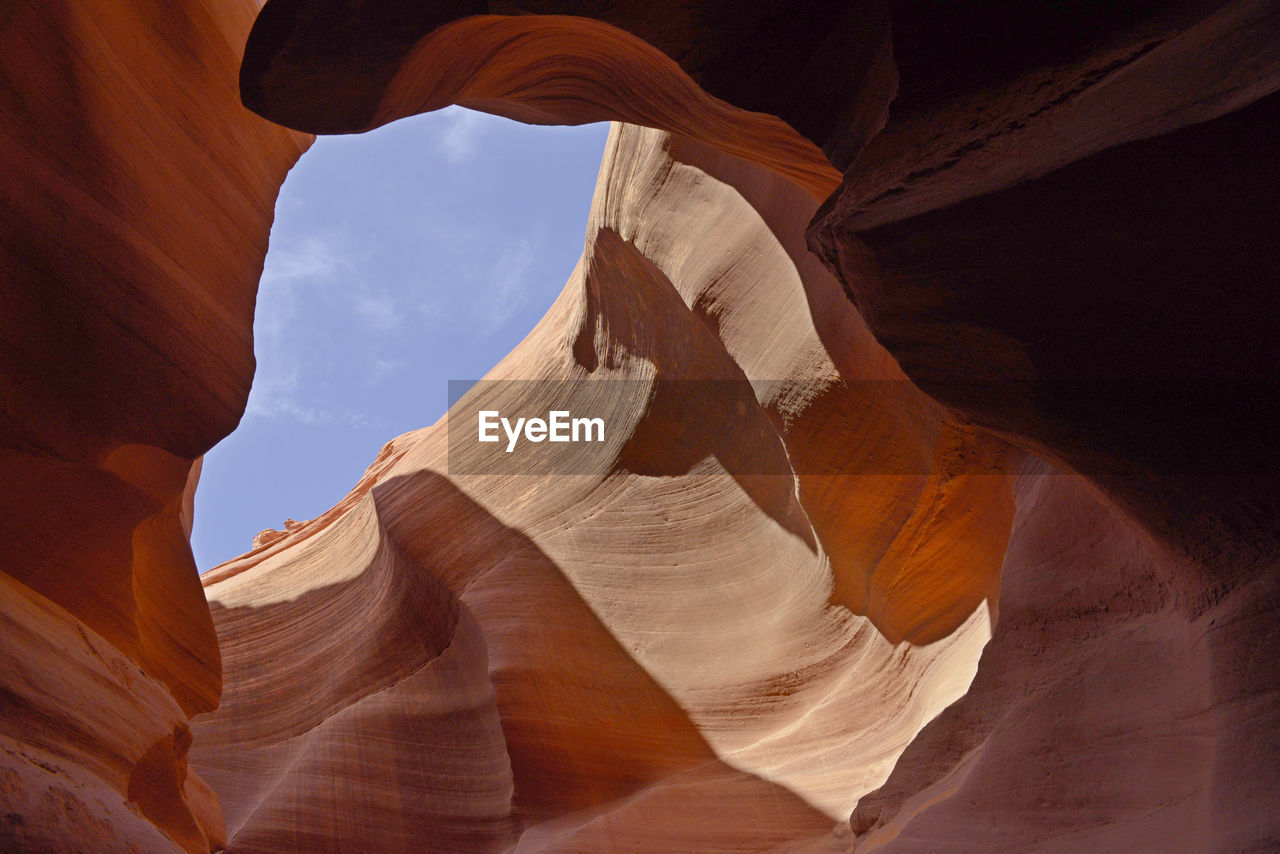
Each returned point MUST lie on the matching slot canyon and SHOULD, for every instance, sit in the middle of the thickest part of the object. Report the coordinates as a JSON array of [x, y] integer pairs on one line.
[[947, 518]]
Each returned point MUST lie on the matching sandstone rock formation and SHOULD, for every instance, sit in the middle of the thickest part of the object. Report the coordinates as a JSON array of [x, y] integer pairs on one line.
[[618, 719], [947, 519], [137, 197]]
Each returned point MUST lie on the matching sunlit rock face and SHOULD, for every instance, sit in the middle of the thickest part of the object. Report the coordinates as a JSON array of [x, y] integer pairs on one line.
[[638, 655], [965, 540]]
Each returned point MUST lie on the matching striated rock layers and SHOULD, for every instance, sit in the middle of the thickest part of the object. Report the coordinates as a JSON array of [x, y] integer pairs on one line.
[[642, 655], [137, 197], [938, 510]]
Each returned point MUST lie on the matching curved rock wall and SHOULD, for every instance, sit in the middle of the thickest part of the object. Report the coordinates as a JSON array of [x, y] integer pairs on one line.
[[137, 197], [702, 658], [764, 622], [1080, 256], [1106, 715]]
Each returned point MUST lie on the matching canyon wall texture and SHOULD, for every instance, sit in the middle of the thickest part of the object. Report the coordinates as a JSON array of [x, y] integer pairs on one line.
[[939, 508], [137, 198], [701, 660]]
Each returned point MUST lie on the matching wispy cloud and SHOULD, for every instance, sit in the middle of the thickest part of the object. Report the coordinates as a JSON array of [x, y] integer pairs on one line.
[[298, 270], [308, 257], [274, 397], [292, 266], [461, 133], [311, 291], [383, 368], [509, 292], [277, 396], [378, 311]]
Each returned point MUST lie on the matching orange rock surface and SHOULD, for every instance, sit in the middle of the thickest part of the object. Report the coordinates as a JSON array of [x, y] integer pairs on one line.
[[138, 194], [702, 659], [938, 510]]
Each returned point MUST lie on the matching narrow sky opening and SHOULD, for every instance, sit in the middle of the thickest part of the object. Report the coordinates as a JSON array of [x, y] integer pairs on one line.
[[401, 258]]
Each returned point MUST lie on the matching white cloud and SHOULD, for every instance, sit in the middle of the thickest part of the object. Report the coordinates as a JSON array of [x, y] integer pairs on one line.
[[312, 256], [383, 368], [461, 133], [274, 397], [310, 285], [509, 289], [309, 262], [377, 310], [297, 270]]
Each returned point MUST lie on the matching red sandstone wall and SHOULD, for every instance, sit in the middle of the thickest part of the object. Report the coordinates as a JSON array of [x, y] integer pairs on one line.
[[137, 199], [1035, 199]]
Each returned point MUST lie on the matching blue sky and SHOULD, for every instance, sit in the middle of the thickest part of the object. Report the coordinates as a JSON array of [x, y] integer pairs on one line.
[[400, 259]]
